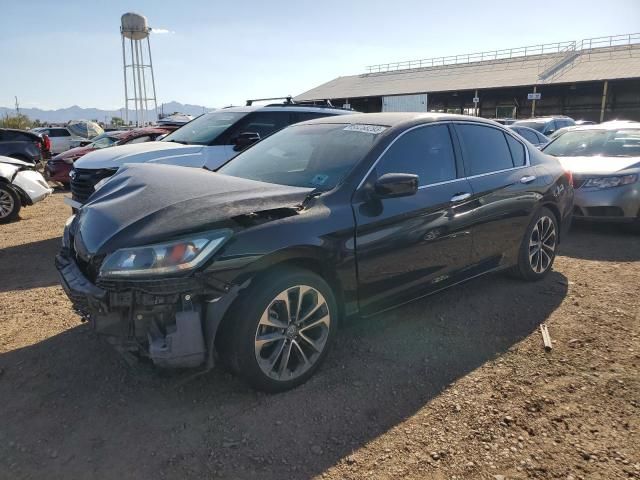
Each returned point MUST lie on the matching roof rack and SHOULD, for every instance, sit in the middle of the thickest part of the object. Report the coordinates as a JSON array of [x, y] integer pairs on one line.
[[289, 102]]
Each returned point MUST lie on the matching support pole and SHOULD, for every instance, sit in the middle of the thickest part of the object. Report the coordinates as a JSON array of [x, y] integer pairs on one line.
[[475, 104], [140, 92], [153, 81], [533, 103], [126, 94], [133, 76], [604, 100]]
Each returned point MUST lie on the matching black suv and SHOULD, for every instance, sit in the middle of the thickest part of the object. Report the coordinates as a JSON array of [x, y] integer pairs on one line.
[[26, 146]]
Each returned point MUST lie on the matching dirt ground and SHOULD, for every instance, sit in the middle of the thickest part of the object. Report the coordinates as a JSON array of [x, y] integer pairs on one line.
[[454, 386]]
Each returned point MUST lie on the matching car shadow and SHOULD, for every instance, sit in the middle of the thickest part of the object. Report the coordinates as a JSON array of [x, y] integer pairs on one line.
[[29, 265], [72, 406], [585, 241]]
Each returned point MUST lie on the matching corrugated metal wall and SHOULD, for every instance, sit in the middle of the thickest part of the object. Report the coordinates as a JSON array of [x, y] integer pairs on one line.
[[405, 103]]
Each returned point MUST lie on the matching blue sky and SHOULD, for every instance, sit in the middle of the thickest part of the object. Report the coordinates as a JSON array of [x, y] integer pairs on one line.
[[62, 53]]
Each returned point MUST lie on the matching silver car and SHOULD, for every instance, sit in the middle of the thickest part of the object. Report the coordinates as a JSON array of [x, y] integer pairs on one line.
[[605, 162]]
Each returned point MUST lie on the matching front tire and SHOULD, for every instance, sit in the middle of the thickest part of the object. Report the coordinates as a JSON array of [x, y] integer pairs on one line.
[[538, 248], [10, 204], [280, 329]]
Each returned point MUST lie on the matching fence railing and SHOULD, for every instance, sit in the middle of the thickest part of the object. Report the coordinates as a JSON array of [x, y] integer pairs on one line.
[[509, 53]]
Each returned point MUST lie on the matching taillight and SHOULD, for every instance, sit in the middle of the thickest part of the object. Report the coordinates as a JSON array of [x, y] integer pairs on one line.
[[569, 175], [47, 142]]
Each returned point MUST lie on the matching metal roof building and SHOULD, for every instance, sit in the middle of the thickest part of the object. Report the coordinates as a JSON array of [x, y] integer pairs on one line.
[[593, 79]]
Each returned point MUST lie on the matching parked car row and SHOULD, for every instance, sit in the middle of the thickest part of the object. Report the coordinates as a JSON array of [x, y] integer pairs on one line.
[[258, 260], [59, 167]]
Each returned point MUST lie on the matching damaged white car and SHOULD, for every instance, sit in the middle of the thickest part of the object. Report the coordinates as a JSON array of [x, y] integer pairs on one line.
[[20, 186]]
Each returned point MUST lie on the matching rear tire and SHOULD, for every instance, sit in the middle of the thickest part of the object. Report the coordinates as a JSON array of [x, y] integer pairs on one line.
[[538, 248], [271, 338], [10, 204]]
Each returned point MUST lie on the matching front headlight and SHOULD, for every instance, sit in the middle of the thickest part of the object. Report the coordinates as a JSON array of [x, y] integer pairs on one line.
[[177, 255], [609, 182]]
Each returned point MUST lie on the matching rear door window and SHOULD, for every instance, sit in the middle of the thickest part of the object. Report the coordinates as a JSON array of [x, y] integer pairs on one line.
[[517, 151], [484, 149], [262, 123], [426, 152]]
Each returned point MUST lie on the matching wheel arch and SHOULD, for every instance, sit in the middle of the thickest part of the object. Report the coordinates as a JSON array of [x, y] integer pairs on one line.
[[556, 213], [310, 258]]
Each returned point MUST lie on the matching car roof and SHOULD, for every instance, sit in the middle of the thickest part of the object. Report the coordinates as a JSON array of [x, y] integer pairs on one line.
[[285, 107], [398, 119], [612, 125]]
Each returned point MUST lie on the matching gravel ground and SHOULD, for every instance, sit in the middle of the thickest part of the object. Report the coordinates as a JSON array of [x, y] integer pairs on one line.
[[454, 386]]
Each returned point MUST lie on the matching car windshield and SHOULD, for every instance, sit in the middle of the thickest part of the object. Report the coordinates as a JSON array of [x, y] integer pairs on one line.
[[538, 126], [316, 155], [104, 140], [597, 142], [204, 129]]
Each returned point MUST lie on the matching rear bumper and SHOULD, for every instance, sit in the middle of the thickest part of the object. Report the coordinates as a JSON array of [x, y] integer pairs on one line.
[[618, 204]]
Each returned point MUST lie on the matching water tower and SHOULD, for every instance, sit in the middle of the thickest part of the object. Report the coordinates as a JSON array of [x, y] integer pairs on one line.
[[135, 33]]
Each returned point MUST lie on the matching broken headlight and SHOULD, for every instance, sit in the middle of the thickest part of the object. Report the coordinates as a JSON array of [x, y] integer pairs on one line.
[[177, 255]]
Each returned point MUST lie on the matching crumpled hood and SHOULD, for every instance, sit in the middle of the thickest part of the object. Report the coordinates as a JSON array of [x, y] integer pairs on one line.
[[115, 157], [598, 165], [143, 204]]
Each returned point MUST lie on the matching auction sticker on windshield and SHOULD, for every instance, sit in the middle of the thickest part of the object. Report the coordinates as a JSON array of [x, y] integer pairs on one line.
[[363, 128]]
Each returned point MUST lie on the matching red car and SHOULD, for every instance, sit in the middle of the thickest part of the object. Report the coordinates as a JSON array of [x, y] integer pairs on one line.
[[58, 167]]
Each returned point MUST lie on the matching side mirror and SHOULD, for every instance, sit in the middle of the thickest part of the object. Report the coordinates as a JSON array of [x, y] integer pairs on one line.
[[245, 139], [392, 185]]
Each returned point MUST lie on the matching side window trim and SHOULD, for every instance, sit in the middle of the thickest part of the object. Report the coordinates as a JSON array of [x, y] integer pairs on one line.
[[462, 175], [388, 147]]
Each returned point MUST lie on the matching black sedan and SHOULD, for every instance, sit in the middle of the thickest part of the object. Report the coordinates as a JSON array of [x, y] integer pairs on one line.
[[258, 262]]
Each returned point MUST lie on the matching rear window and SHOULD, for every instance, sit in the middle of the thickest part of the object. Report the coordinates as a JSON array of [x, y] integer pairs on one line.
[[59, 132]]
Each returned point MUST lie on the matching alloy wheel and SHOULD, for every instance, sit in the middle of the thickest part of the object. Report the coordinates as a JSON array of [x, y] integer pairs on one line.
[[6, 204], [292, 333], [542, 244]]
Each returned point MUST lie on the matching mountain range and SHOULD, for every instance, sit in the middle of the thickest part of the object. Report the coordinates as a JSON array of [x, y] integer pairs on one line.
[[75, 112]]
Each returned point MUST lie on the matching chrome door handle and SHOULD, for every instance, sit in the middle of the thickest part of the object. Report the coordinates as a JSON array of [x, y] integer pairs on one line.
[[528, 179], [458, 197]]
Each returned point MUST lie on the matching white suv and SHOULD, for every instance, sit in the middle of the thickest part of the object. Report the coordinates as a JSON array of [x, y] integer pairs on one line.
[[207, 141], [60, 137]]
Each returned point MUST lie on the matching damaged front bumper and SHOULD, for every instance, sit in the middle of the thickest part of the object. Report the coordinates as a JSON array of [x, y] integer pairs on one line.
[[172, 321]]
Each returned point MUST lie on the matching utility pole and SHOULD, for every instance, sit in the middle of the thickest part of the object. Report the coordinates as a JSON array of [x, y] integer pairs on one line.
[[17, 106]]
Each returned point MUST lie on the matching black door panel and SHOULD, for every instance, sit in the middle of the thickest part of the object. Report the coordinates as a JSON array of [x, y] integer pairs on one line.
[[505, 191], [406, 245]]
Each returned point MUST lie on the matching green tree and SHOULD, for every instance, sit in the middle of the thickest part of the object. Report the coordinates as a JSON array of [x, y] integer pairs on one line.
[[15, 121], [117, 121]]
